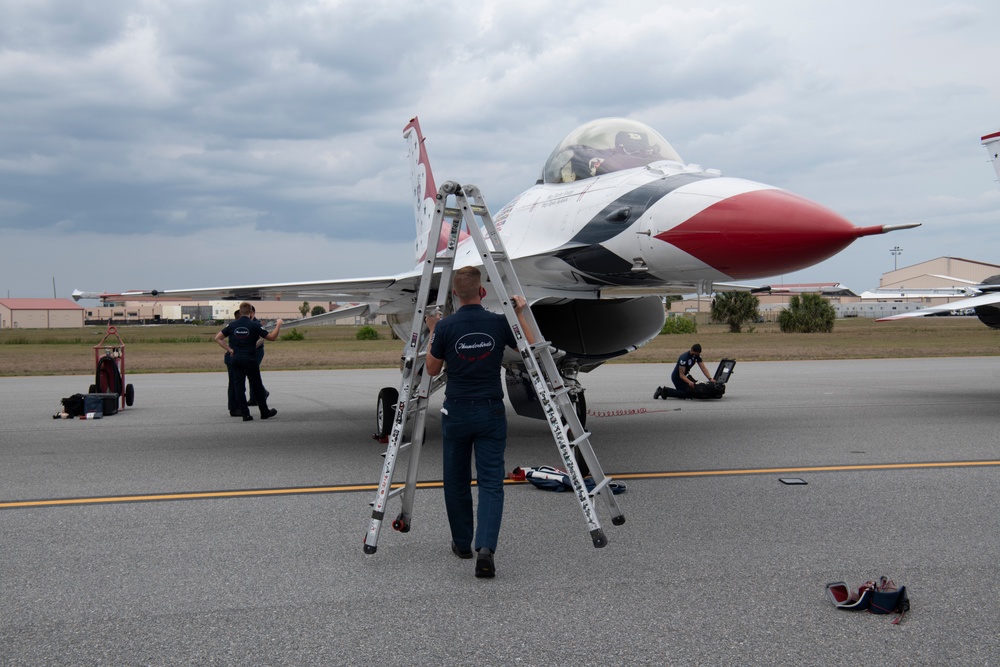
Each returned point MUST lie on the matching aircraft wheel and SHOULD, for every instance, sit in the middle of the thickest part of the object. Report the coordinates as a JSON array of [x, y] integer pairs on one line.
[[93, 389], [385, 411], [581, 408], [129, 395]]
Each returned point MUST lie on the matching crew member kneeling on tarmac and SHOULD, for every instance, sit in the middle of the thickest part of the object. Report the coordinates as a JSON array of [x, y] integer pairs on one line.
[[681, 377]]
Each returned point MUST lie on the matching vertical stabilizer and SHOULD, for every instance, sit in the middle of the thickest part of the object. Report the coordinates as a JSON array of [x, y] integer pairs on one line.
[[422, 182], [992, 143]]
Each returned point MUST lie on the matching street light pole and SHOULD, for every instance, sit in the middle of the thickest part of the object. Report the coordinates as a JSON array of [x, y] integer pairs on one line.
[[895, 250]]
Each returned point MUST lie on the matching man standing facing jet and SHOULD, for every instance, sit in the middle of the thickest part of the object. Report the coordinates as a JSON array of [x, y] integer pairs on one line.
[[243, 335], [474, 418]]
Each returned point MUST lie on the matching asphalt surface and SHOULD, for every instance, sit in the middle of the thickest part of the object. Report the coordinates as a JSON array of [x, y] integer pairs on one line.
[[718, 563]]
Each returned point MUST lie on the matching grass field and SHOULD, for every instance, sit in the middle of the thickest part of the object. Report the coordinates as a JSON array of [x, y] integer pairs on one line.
[[188, 348]]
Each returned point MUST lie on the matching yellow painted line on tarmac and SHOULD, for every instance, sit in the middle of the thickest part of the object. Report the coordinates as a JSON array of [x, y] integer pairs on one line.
[[349, 488], [200, 495], [785, 471]]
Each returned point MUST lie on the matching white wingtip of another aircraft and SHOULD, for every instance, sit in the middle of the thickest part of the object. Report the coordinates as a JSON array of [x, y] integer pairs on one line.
[[891, 228]]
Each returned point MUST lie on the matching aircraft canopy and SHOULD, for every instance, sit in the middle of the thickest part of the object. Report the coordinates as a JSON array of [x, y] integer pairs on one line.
[[604, 146]]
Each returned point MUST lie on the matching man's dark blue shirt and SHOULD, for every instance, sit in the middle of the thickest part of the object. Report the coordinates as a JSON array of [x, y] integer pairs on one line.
[[243, 335], [472, 342], [687, 360]]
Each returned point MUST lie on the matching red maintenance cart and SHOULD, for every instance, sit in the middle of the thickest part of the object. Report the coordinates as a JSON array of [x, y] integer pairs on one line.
[[110, 358]]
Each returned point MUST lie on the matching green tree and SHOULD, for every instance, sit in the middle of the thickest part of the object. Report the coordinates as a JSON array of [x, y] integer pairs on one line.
[[679, 325], [735, 309], [367, 333], [807, 313], [304, 308], [317, 310]]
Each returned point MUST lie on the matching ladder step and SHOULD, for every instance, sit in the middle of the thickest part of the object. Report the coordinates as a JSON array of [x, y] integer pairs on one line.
[[402, 448], [392, 492], [600, 486], [559, 392]]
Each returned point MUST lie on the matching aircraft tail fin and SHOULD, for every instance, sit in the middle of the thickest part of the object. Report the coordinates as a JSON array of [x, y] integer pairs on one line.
[[992, 143], [422, 182], [424, 192]]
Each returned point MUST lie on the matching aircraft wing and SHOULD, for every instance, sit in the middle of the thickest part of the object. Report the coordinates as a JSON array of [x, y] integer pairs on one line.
[[386, 290], [961, 304], [350, 310]]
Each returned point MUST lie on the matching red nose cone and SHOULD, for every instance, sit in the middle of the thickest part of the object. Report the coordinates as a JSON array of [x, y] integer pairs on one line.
[[762, 233]]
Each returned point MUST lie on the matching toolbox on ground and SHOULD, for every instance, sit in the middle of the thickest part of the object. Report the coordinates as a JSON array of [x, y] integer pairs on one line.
[[106, 404]]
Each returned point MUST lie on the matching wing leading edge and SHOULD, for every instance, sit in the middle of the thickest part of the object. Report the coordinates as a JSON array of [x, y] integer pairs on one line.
[[386, 290], [988, 299]]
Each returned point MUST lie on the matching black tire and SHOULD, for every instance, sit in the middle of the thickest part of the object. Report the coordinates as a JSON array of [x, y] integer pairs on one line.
[[129, 395], [385, 411], [93, 389], [580, 400]]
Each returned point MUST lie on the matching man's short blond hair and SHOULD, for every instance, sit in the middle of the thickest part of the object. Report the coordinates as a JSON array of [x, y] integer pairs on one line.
[[246, 309], [466, 283]]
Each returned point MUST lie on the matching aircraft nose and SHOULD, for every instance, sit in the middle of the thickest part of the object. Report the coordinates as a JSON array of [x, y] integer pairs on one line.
[[763, 232]]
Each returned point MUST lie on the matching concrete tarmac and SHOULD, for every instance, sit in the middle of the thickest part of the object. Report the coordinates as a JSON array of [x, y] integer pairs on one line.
[[174, 534]]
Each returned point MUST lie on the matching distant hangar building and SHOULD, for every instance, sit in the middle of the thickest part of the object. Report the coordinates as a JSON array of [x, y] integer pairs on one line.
[[40, 314], [930, 283], [942, 279]]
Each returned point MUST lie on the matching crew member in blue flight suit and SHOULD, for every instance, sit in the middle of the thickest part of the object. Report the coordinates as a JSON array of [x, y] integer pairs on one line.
[[234, 407], [472, 341], [239, 339], [681, 377], [260, 359]]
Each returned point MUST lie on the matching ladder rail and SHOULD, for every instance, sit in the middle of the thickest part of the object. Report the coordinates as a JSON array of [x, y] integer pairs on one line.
[[415, 385]]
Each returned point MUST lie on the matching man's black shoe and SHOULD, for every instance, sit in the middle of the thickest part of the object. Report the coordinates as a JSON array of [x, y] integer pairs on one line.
[[235, 413], [248, 418], [270, 413], [658, 393], [461, 554], [484, 565]]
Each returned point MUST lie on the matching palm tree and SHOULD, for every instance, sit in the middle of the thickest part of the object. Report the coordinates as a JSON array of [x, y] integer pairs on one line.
[[304, 308], [735, 309], [807, 313]]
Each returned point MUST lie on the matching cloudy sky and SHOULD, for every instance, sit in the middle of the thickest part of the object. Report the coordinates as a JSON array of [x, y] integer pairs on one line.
[[184, 143]]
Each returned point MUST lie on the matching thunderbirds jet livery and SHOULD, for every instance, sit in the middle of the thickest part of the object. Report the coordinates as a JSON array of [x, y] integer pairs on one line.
[[616, 221]]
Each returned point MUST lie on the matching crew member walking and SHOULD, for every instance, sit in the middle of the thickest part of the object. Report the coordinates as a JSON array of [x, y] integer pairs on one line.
[[474, 419]]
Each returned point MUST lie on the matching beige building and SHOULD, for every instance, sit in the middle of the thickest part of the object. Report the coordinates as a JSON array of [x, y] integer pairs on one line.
[[40, 314], [771, 303], [933, 278], [154, 310], [929, 283]]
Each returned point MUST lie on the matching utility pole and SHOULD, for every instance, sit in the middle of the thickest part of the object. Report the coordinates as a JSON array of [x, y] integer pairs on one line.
[[896, 251]]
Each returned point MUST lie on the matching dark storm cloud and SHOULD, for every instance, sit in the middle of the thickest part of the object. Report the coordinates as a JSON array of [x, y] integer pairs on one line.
[[179, 124]]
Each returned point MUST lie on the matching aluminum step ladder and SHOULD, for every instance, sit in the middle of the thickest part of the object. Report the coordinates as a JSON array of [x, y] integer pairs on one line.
[[416, 387]]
